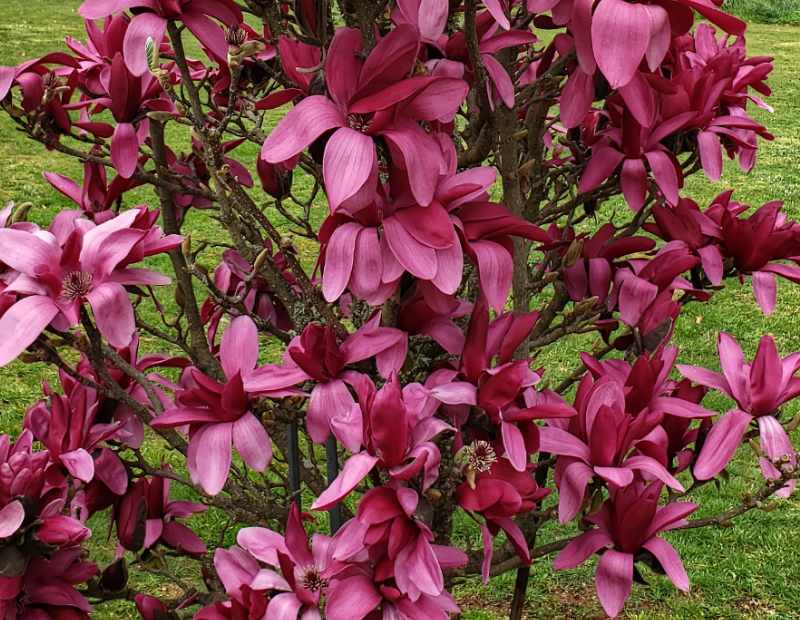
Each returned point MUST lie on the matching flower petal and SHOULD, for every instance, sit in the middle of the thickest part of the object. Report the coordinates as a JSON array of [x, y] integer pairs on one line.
[[252, 442], [304, 123], [347, 164], [22, 323], [721, 443], [614, 578], [354, 471], [113, 313]]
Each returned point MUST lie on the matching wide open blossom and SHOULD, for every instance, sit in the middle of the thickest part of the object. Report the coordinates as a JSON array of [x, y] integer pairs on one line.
[[505, 391], [759, 389], [219, 414], [363, 96], [57, 271], [628, 525], [152, 16], [301, 575]]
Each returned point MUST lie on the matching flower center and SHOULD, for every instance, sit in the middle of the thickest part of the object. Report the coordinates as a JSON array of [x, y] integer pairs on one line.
[[480, 456], [76, 285], [359, 122], [313, 581]]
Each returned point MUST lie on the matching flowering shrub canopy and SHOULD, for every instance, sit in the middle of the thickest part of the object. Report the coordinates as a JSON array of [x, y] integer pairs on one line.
[[427, 208]]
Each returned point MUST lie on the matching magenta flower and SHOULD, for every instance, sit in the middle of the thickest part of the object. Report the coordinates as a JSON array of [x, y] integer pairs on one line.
[[316, 355], [756, 243], [398, 430], [628, 525], [152, 16], [219, 415], [76, 262], [600, 442], [362, 93], [237, 570], [306, 571], [67, 426], [408, 566], [759, 389], [498, 492]]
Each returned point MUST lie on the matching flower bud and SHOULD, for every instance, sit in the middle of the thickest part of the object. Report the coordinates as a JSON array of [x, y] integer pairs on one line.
[[62, 531], [151, 53]]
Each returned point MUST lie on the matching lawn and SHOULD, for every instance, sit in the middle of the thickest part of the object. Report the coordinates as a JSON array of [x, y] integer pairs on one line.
[[749, 571]]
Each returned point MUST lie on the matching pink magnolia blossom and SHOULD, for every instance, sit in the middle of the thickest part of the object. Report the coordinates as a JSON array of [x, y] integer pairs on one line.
[[628, 525], [219, 414], [362, 95], [57, 271], [316, 355], [151, 22], [759, 389]]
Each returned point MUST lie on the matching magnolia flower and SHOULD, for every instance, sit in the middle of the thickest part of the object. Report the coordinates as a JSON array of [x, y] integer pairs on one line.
[[628, 524], [361, 95], [759, 389], [152, 16], [219, 414], [56, 272]]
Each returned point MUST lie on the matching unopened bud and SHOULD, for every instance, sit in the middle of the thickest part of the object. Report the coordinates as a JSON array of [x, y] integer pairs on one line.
[[21, 212], [151, 54], [261, 260], [159, 115], [186, 245], [573, 253]]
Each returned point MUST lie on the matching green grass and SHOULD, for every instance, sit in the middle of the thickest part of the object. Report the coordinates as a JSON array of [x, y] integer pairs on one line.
[[750, 571], [766, 11]]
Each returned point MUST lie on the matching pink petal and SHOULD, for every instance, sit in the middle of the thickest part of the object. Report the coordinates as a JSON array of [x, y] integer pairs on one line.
[[721, 443], [620, 38], [327, 399], [113, 313], [633, 180], [580, 548], [765, 290], [125, 150], [664, 173], [635, 297], [660, 36], [142, 27], [339, 257], [711, 260], [27, 253], [304, 123], [670, 561], [514, 444], [66, 186], [619, 476], [710, 154], [347, 165], [775, 443], [209, 456], [604, 161], [283, 607], [614, 578], [558, 441], [706, 377], [95, 9], [496, 270], [415, 151], [351, 598], [572, 489], [418, 259], [640, 99], [7, 75], [79, 464], [11, 517], [111, 472], [497, 11], [500, 79], [207, 31], [343, 64], [732, 361], [22, 323], [654, 468], [576, 98], [238, 350], [354, 471], [252, 442]]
